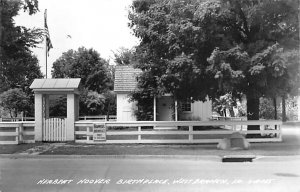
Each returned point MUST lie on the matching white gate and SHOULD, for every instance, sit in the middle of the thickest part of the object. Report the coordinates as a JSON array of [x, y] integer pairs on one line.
[[54, 129]]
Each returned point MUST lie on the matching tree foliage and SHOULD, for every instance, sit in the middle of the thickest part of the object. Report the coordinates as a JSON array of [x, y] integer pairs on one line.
[[85, 64], [18, 66], [224, 103], [95, 75], [194, 49], [14, 101], [124, 56]]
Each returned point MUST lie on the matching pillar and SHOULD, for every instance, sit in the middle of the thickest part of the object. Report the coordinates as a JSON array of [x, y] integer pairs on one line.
[[47, 106], [71, 114], [76, 107], [38, 114]]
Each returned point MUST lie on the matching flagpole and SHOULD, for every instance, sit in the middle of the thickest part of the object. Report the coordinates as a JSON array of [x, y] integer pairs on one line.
[[48, 41], [46, 52]]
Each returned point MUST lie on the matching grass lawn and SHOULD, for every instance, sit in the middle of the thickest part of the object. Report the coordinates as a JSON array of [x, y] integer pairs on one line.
[[11, 149], [132, 149]]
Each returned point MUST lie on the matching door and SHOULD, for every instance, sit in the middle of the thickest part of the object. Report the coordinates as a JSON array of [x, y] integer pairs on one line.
[[165, 108]]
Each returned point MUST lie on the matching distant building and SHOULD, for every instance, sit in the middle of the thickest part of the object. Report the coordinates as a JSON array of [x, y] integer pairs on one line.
[[126, 82]]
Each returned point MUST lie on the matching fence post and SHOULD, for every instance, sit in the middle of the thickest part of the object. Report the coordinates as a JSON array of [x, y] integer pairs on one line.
[[191, 136], [280, 132], [17, 135], [87, 134], [20, 133]]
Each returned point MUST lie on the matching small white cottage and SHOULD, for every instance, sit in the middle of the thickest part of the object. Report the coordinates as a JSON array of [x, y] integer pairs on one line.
[[165, 107]]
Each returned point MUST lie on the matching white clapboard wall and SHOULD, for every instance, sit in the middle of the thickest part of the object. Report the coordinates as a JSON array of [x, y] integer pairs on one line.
[[54, 129]]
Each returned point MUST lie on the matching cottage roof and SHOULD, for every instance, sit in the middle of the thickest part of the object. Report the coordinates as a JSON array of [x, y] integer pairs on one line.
[[125, 78]]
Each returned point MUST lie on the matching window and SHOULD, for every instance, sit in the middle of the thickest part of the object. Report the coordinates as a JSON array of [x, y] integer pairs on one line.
[[186, 106]]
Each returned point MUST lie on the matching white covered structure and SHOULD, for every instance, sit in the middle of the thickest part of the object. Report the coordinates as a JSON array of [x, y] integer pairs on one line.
[[165, 107], [55, 129]]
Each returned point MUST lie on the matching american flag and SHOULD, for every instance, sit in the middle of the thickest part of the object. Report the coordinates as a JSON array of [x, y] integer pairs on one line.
[[48, 40]]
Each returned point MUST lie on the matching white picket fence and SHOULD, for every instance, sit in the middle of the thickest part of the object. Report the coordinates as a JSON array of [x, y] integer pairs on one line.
[[135, 132], [54, 129], [16, 132]]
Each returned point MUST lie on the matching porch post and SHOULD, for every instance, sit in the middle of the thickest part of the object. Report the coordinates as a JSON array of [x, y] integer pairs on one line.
[[38, 114], [154, 109]]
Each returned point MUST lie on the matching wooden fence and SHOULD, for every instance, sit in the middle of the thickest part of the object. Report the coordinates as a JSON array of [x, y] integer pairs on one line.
[[97, 117], [145, 132], [186, 132], [15, 119], [54, 129], [16, 132]]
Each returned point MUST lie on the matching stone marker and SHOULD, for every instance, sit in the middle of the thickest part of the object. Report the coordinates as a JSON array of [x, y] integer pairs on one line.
[[235, 141]]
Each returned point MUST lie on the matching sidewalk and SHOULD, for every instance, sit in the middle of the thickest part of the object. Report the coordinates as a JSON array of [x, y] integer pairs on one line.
[[290, 146]]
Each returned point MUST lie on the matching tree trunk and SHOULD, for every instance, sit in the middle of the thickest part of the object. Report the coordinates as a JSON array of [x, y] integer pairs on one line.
[[275, 108], [224, 113], [253, 114], [108, 110], [231, 112], [283, 109]]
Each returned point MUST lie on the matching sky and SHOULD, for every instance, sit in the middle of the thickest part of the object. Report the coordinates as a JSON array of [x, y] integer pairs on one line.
[[98, 24]]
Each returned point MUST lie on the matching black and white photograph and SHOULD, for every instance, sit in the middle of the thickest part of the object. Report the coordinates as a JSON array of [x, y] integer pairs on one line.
[[149, 95]]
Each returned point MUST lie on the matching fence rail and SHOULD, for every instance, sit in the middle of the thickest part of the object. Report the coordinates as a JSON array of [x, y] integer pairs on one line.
[[186, 132], [16, 132], [15, 119], [98, 117]]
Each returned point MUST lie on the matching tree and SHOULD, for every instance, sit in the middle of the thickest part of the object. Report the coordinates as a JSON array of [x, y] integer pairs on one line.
[[223, 103], [18, 67], [85, 64], [96, 78], [124, 56], [194, 49], [58, 106], [15, 101]]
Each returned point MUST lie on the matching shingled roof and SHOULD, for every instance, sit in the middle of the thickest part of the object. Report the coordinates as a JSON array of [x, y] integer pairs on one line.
[[125, 78]]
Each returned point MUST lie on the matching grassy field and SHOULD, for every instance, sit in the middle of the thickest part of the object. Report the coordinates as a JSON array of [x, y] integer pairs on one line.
[[11, 149]]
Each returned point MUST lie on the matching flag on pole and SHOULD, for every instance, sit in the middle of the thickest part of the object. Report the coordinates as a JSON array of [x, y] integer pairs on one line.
[[48, 40]]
